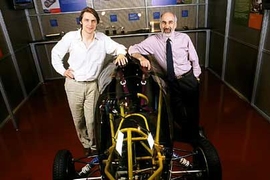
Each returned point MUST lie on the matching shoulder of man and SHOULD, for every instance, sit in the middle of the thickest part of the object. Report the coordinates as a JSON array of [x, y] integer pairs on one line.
[[178, 34], [154, 37], [72, 35], [101, 35]]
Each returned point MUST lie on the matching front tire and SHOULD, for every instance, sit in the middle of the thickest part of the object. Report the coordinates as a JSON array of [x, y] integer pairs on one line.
[[63, 166], [207, 158]]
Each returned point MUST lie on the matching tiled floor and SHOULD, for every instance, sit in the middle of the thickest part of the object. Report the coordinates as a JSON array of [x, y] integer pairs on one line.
[[240, 135]]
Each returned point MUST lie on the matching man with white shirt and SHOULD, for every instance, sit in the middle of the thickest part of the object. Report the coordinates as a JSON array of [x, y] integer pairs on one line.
[[87, 50]]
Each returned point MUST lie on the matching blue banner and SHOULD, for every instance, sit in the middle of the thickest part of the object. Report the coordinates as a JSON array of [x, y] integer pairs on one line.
[[163, 2], [72, 5]]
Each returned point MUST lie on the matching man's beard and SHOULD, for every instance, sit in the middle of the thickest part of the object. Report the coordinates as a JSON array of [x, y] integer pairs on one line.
[[167, 33]]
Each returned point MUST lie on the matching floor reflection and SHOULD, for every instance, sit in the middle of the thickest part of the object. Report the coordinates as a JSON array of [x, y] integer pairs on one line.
[[240, 135]]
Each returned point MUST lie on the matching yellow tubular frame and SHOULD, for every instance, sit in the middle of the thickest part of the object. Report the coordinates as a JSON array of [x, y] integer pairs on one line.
[[155, 153]]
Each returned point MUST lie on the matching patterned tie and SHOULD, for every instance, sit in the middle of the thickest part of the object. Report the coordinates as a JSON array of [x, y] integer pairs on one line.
[[170, 69]]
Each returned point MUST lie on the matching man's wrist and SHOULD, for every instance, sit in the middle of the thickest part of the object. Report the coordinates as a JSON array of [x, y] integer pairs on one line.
[[137, 56]]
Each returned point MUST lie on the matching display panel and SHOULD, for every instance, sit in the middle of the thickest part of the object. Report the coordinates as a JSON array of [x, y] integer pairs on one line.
[[23, 4]]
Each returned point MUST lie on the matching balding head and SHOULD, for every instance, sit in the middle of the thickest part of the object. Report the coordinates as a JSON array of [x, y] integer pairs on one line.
[[168, 23]]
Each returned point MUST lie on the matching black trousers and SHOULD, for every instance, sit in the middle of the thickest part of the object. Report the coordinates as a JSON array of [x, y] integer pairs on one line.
[[184, 100]]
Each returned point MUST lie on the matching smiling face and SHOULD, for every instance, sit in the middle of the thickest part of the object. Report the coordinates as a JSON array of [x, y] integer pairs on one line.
[[88, 23], [168, 23]]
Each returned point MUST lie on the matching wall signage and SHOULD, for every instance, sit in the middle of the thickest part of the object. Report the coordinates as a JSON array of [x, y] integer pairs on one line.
[[72, 5], [163, 2], [156, 15], [56, 6], [53, 22], [184, 13], [113, 18], [50, 6], [133, 17]]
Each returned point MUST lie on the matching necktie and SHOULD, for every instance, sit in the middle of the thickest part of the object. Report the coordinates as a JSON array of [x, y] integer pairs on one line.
[[170, 69]]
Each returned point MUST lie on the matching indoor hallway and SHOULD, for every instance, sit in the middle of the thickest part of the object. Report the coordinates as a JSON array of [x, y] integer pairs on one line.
[[240, 135]]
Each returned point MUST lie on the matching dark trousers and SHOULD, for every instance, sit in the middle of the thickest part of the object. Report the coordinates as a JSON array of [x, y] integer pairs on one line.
[[184, 97]]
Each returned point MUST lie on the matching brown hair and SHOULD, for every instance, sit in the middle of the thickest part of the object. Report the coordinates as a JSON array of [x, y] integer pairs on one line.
[[90, 10]]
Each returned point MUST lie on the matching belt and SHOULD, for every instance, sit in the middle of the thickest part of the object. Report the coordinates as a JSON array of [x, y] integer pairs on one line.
[[183, 75], [83, 81]]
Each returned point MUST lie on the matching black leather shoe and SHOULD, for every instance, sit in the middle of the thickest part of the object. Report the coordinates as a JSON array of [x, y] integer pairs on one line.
[[87, 151]]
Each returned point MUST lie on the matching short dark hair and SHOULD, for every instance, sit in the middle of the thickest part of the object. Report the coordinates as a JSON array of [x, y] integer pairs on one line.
[[90, 10]]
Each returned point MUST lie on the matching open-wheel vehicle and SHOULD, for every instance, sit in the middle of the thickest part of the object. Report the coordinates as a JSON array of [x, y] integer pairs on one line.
[[133, 125]]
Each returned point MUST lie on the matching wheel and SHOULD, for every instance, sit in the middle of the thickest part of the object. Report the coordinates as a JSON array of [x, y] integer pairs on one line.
[[63, 166], [207, 159]]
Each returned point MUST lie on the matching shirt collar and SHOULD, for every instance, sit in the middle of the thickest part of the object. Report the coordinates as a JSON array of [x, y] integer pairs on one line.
[[79, 36], [164, 37]]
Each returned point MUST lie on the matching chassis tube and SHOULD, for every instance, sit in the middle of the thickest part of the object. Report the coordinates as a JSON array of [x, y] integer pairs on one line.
[[159, 115], [130, 161]]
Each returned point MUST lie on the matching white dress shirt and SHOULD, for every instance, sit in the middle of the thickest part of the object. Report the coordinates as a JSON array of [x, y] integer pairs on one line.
[[86, 62]]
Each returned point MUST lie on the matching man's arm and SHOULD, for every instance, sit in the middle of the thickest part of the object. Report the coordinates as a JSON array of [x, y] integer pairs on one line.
[[143, 61], [146, 48], [194, 59], [57, 59], [115, 48]]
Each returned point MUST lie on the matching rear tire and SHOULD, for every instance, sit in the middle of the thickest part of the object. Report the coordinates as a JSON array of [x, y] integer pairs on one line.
[[63, 166], [207, 159]]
